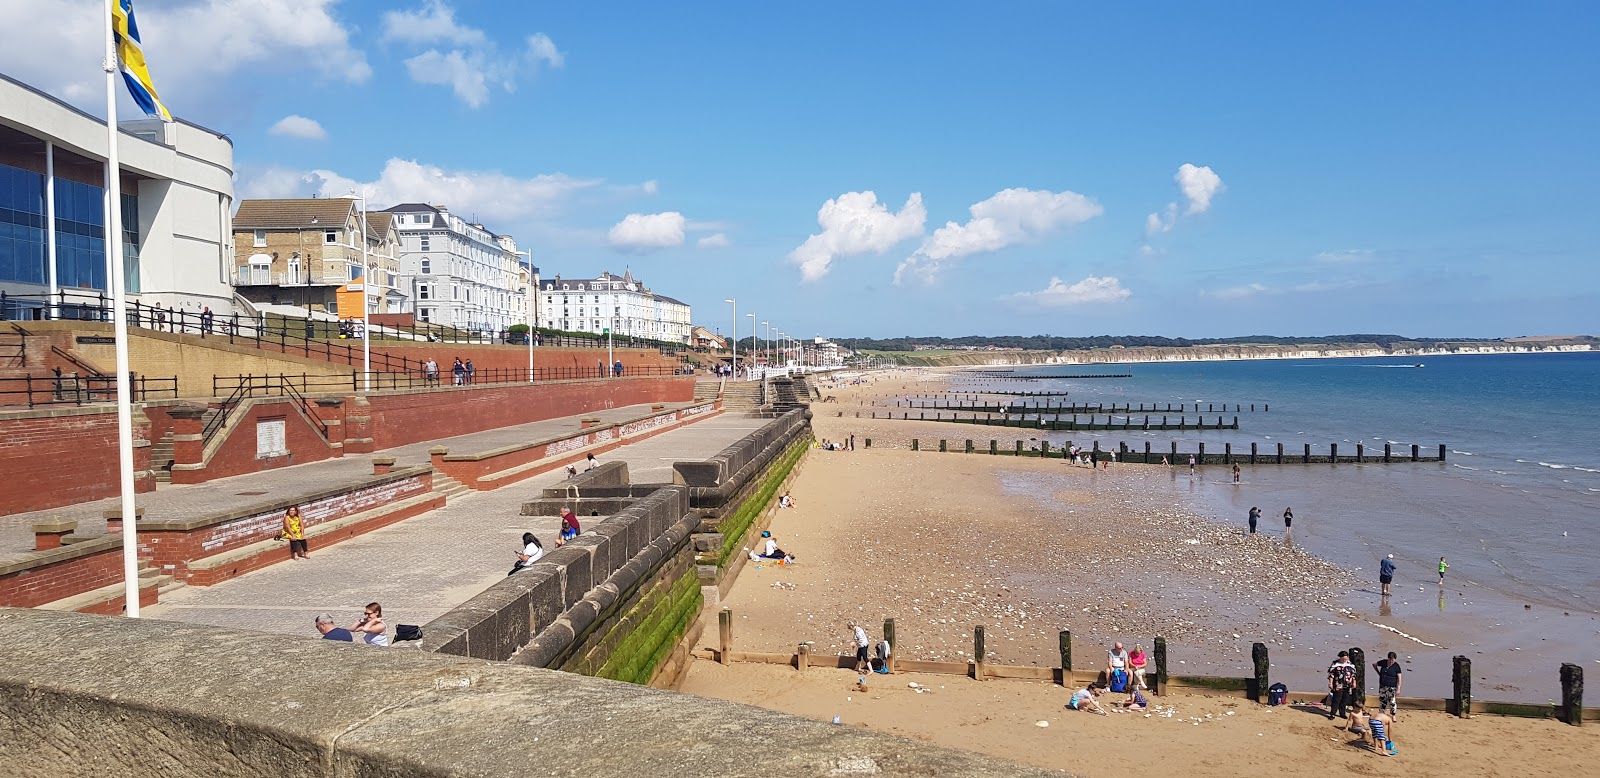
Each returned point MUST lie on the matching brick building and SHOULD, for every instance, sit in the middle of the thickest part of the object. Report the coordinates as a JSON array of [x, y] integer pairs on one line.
[[299, 252]]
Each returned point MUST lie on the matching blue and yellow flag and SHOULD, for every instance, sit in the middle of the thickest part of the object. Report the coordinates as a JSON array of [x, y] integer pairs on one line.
[[135, 73]]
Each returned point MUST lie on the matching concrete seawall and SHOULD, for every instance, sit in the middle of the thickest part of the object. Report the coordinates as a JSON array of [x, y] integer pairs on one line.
[[89, 695]]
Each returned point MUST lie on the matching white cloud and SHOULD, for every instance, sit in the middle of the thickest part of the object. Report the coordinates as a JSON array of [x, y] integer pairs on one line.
[[644, 232], [297, 126], [434, 22], [490, 196], [1011, 216], [192, 46], [717, 241], [466, 59], [856, 223], [1346, 257], [1094, 289], [1199, 185], [1239, 292]]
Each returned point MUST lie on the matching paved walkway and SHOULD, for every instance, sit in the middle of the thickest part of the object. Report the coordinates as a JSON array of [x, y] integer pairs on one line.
[[223, 494], [422, 567]]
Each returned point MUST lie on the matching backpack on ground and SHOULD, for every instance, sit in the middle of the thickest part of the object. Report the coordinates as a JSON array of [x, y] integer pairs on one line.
[[1119, 680], [1277, 694]]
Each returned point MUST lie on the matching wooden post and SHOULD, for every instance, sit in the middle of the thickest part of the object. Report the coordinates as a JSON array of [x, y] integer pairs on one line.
[[1441, 452], [1200, 460], [1159, 648], [869, 442], [894, 647], [1252, 452], [802, 657], [1416, 451], [1019, 448], [1358, 658], [1044, 449], [1361, 451], [914, 444], [1461, 686], [1280, 453], [1307, 459], [1147, 452], [1386, 453], [1174, 459], [1258, 655], [978, 655], [1227, 453], [1572, 694], [725, 636], [1066, 656], [943, 445], [969, 445], [1333, 452], [993, 448]]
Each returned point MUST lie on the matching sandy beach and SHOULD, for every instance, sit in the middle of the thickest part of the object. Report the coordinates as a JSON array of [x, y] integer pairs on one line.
[[1028, 547]]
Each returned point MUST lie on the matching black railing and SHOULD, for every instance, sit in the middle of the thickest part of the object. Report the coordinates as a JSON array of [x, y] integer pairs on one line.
[[245, 387], [236, 387], [72, 389]]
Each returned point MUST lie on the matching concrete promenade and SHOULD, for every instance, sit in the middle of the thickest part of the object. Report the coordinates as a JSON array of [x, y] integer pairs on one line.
[[422, 567], [180, 501]]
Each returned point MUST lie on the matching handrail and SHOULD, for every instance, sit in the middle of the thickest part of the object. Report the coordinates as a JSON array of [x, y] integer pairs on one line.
[[64, 354], [305, 408]]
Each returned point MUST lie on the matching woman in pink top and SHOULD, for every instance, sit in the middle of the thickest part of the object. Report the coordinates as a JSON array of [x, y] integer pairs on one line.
[[1137, 661]]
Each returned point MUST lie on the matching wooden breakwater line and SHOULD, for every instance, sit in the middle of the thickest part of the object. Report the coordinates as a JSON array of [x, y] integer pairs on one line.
[[995, 391], [981, 375], [1255, 686], [1048, 407], [1149, 456], [1039, 422]]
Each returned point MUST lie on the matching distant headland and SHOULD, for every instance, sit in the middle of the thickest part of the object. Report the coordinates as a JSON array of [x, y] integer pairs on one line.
[[1045, 349]]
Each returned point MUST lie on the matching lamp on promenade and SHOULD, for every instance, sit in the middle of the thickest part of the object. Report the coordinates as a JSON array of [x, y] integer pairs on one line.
[[366, 281], [772, 354], [533, 310], [755, 339], [735, 339]]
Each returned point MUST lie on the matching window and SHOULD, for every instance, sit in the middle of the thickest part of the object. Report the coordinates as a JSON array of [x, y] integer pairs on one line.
[[355, 272], [330, 236], [455, 292], [260, 238], [427, 266], [425, 243], [424, 218], [425, 313], [423, 293]]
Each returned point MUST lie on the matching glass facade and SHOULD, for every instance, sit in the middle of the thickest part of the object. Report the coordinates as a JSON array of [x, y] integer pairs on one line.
[[80, 232]]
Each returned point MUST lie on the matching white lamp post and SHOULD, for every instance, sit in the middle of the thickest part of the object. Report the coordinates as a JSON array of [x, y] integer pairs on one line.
[[533, 310], [366, 282], [735, 339], [755, 337]]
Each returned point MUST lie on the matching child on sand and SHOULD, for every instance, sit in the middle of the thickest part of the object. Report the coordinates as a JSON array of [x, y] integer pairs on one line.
[[1442, 567], [1084, 699]]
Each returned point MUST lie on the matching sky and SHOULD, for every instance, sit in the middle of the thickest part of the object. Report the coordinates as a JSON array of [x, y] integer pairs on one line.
[[852, 169]]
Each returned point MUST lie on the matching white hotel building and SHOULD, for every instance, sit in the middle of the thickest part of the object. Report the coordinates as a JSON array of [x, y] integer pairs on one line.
[[460, 274], [622, 304]]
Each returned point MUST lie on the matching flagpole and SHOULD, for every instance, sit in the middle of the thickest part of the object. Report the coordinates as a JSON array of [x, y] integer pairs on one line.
[[119, 323]]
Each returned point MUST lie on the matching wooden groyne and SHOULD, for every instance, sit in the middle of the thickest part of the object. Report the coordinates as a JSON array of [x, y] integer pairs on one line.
[[1254, 687], [996, 391], [1149, 455], [989, 376], [1052, 408], [1056, 422]]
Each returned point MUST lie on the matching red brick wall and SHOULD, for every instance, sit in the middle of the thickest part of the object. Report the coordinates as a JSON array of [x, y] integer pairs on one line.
[[39, 585], [50, 462], [237, 454], [410, 418]]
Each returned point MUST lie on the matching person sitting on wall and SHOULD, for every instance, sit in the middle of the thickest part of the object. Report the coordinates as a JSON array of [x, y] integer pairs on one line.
[[569, 527], [593, 463], [532, 549], [325, 625]]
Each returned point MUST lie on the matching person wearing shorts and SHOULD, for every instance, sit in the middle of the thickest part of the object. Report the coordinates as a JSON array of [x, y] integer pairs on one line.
[[863, 643], [1386, 573], [1388, 683]]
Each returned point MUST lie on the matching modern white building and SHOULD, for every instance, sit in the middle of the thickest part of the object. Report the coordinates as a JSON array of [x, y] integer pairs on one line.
[[177, 203], [622, 304], [459, 273]]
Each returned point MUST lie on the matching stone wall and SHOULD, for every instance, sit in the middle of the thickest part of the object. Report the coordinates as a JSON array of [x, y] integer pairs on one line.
[[86, 695], [62, 456]]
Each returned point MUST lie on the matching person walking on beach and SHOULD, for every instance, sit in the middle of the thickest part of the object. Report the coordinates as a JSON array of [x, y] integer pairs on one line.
[[1288, 525], [1386, 573], [1191, 465], [859, 635], [1255, 515], [1236, 472], [1388, 683], [1341, 682], [1442, 567]]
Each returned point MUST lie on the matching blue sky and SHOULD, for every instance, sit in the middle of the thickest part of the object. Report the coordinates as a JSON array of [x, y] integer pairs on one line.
[[1153, 168]]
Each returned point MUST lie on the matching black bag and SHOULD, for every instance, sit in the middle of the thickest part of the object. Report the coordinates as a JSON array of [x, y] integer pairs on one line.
[[407, 632]]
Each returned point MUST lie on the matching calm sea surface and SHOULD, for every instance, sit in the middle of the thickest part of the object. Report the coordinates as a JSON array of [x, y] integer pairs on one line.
[[1516, 509]]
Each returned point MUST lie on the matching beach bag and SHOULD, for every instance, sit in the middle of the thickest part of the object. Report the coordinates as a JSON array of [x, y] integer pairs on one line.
[[1119, 681], [407, 632], [1277, 694]]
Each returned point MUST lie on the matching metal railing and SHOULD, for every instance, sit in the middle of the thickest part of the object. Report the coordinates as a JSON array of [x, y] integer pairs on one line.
[[259, 386], [306, 383], [73, 389]]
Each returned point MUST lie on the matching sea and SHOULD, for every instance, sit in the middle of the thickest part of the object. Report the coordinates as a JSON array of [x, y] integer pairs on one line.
[[1514, 509]]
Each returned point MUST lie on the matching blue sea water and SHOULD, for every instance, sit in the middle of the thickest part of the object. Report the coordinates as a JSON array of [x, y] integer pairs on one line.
[[1515, 509]]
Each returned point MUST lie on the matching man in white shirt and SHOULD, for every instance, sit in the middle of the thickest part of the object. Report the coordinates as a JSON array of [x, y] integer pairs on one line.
[[1116, 659], [863, 664]]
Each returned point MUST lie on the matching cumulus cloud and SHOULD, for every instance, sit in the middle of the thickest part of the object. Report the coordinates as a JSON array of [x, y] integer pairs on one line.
[[717, 241], [1094, 289], [645, 232], [1011, 216], [193, 46], [462, 57], [297, 126], [490, 195], [1198, 185], [856, 223]]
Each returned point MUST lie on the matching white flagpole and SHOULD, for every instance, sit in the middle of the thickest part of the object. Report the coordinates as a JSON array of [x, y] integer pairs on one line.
[[119, 323]]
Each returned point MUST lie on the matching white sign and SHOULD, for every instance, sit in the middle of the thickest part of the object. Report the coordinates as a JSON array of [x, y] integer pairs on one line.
[[271, 438]]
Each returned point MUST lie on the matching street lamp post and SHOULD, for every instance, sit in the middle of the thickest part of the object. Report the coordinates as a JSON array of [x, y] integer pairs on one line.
[[533, 310], [734, 341], [366, 305], [755, 337]]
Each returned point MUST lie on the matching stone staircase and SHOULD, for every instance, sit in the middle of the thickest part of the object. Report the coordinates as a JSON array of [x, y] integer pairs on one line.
[[161, 456], [743, 396], [707, 389], [447, 486], [151, 575], [788, 394]]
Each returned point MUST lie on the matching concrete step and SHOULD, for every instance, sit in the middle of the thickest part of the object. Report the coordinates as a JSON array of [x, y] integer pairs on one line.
[[167, 583], [447, 486]]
